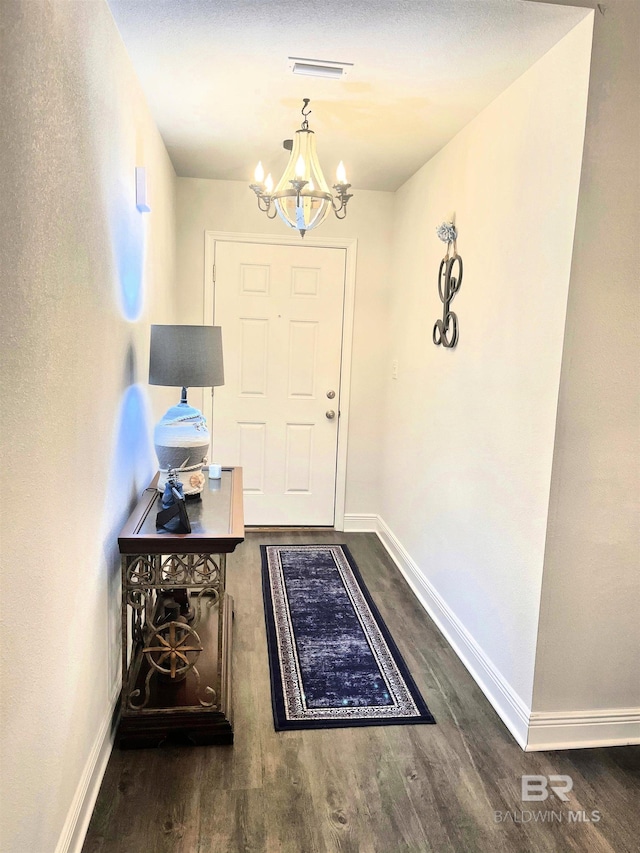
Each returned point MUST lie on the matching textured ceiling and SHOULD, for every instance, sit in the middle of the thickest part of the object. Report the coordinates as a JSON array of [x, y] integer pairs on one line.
[[218, 83]]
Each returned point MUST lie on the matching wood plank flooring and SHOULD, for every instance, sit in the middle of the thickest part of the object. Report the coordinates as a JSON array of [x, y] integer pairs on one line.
[[395, 789]]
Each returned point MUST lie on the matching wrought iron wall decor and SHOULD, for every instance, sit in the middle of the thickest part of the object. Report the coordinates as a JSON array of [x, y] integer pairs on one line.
[[445, 331]]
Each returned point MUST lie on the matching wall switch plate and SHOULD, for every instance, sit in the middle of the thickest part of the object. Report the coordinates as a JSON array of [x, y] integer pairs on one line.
[[394, 368], [142, 201]]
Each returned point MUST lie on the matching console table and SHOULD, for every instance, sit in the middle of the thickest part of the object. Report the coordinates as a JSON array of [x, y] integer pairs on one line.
[[176, 619]]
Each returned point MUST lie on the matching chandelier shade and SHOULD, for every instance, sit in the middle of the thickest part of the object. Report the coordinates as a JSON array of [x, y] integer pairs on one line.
[[307, 208], [302, 197]]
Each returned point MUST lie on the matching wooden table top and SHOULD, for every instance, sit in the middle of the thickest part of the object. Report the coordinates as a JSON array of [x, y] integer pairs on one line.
[[217, 521]]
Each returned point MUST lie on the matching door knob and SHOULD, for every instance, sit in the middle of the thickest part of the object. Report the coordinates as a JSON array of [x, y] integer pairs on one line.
[[330, 414]]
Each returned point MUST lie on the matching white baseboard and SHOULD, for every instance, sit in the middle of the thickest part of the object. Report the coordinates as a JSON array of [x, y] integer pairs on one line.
[[361, 523], [534, 731], [582, 729], [79, 814], [510, 707]]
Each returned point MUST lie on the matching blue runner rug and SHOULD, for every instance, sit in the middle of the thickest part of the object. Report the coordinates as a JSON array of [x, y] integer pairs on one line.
[[333, 661]]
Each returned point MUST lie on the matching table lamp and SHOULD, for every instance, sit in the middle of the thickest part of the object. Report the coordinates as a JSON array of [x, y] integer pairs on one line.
[[187, 357]]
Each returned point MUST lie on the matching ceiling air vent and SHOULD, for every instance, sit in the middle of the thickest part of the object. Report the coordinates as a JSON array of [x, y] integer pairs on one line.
[[319, 67]]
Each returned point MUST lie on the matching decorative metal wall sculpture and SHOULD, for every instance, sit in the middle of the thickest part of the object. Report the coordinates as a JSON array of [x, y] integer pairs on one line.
[[445, 331]]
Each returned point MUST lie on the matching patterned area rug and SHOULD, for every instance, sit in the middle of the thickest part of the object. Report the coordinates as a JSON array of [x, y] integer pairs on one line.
[[333, 661]]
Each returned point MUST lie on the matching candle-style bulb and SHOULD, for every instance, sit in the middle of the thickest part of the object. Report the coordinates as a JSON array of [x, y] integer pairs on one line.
[[259, 173], [341, 173], [269, 183], [310, 186], [300, 167]]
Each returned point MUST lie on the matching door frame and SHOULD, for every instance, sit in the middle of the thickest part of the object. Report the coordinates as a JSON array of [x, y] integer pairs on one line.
[[350, 245]]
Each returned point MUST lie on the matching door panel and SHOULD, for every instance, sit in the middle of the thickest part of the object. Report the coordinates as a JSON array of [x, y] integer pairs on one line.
[[281, 312]]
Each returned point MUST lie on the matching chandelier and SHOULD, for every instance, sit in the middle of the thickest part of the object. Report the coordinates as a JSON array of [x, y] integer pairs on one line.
[[302, 197]]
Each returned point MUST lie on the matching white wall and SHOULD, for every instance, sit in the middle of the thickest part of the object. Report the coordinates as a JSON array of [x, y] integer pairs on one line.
[[469, 432], [588, 657], [231, 206], [83, 275]]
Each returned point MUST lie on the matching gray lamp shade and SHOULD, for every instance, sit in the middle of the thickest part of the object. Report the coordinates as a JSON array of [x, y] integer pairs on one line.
[[186, 356]]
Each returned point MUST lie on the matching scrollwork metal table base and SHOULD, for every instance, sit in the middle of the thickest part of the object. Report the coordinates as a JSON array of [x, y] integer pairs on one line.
[[176, 632]]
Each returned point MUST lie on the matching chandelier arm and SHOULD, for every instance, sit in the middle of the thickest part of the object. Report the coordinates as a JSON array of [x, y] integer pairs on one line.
[[264, 203], [340, 204], [274, 212]]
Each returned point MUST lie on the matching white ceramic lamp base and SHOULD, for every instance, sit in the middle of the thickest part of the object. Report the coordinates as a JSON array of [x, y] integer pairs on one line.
[[181, 440]]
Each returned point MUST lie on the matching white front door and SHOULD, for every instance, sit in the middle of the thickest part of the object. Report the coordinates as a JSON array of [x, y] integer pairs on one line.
[[281, 312]]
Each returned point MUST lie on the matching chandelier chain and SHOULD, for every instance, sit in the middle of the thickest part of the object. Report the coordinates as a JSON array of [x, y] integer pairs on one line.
[[305, 123]]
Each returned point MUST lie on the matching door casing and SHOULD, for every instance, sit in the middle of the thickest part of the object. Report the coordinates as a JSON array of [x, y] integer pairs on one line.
[[350, 245]]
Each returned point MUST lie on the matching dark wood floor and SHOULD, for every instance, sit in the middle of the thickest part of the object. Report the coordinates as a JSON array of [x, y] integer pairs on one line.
[[362, 790]]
